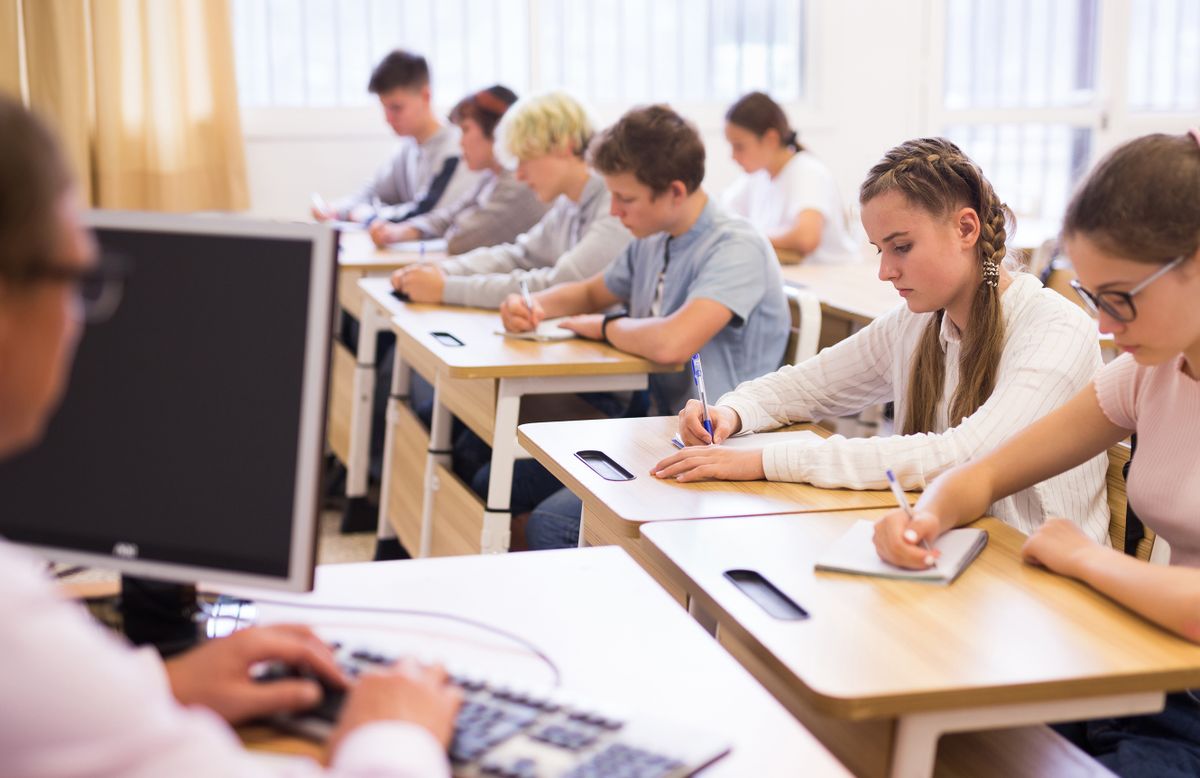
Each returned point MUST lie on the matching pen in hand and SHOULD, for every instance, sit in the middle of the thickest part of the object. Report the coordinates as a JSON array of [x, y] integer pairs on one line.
[[698, 378], [902, 500]]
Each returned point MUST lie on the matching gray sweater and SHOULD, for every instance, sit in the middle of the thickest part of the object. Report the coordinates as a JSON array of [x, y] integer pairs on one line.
[[496, 210], [573, 241]]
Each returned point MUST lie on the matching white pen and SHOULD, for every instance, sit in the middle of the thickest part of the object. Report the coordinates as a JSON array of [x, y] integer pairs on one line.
[[902, 500], [525, 296]]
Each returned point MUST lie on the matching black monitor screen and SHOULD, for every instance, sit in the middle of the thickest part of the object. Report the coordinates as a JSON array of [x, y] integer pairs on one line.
[[177, 438]]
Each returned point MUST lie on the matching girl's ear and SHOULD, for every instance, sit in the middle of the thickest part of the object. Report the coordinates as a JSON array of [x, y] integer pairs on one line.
[[679, 191], [967, 223]]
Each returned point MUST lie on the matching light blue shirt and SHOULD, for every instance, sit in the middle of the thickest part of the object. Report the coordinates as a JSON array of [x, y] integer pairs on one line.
[[724, 259]]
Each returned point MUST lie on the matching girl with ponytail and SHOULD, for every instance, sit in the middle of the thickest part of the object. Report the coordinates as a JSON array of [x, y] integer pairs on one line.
[[977, 352], [1132, 232], [787, 193]]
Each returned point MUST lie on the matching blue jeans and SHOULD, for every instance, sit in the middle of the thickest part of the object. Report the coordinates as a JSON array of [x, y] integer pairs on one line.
[[1161, 745], [555, 522]]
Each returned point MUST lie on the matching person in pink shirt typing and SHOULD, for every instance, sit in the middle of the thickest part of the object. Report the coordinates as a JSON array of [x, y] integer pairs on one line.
[[75, 700], [1132, 232]]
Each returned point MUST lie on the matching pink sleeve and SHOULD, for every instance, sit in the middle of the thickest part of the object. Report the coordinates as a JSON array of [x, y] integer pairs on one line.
[[1117, 389]]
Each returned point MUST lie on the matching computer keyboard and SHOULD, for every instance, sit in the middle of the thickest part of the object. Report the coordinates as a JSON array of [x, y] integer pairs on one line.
[[515, 732]]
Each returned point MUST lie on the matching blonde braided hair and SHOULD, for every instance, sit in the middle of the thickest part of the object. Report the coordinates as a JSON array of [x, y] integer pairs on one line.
[[936, 176]]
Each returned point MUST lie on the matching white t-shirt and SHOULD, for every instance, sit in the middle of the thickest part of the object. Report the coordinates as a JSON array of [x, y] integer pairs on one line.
[[772, 204]]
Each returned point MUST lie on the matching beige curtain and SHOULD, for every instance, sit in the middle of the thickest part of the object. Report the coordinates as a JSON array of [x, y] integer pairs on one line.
[[143, 93]]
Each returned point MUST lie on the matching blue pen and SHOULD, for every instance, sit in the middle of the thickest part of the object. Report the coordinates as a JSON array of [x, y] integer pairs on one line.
[[903, 501], [698, 378]]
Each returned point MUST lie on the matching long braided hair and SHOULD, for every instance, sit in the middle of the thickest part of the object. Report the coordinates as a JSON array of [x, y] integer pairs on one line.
[[935, 175]]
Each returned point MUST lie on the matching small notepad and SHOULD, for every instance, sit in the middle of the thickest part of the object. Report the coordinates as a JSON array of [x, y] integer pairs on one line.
[[548, 330], [765, 439], [855, 552], [432, 246]]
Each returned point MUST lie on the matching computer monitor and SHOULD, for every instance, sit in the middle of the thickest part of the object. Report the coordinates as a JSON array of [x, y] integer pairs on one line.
[[189, 444]]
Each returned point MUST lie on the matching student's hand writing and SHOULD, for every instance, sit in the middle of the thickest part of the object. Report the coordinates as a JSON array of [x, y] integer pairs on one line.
[[422, 283], [1059, 545], [588, 326], [384, 232], [901, 541], [516, 315], [404, 692], [725, 422], [703, 463], [216, 674], [321, 214]]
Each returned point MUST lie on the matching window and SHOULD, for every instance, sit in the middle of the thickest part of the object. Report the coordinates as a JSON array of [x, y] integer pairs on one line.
[[320, 53], [1020, 99], [1164, 55], [1020, 89]]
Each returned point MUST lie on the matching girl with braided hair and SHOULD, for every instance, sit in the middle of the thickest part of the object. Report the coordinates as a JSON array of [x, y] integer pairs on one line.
[[1132, 232], [976, 353]]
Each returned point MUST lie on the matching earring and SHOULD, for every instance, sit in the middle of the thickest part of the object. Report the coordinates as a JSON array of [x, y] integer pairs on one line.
[[991, 273]]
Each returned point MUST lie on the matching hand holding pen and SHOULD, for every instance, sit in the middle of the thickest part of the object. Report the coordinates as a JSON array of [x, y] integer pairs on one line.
[[903, 537]]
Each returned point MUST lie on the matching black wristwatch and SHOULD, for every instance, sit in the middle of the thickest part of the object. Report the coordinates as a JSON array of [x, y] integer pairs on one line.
[[611, 317]]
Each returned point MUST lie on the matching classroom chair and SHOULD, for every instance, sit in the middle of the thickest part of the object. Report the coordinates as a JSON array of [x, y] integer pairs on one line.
[[1148, 548], [805, 332]]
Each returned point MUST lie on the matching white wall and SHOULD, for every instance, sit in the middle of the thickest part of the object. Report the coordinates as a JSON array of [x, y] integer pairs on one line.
[[867, 92]]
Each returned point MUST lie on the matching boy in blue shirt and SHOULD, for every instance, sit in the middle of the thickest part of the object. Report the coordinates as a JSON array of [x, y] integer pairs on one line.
[[696, 279]]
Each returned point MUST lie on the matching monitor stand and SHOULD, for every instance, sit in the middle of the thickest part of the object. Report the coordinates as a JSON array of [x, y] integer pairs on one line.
[[160, 614]]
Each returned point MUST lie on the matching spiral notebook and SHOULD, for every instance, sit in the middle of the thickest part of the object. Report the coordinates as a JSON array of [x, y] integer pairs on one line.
[[854, 552]]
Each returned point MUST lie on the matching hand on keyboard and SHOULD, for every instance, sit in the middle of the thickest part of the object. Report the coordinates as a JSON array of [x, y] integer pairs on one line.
[[216, 674], [405, 691]]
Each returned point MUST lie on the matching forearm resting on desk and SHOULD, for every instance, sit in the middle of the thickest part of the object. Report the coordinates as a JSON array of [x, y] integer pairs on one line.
[[1168, 596]]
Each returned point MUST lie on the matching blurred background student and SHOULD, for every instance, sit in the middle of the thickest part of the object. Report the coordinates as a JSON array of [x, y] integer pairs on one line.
[[787, 193], [497, 209]]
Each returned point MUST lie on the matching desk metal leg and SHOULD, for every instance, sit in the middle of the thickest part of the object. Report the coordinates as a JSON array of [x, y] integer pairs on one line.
[[439, 454], [401, 380], [497, 518], [358, 468], [915, 747]]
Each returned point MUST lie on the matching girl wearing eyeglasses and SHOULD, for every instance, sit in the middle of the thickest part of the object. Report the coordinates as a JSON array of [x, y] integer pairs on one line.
[[1132, 232]]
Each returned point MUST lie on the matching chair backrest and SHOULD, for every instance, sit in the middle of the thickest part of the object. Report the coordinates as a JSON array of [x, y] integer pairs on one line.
[[804, 334], [1118, 455]]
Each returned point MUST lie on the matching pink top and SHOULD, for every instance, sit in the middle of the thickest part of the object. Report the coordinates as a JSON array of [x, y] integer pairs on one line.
[[76, 701], [1161, 404]]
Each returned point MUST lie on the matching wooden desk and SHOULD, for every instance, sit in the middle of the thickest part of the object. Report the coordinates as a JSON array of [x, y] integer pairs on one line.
[[482, 378], [614, 512], [612, 632], [882, 668], [850, 293], [352, 383]]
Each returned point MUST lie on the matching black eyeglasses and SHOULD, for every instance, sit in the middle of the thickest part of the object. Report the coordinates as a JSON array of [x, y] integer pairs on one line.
[[1119, 305], [100, 286]]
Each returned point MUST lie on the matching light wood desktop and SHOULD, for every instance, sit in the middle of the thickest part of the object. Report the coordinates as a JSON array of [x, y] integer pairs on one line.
[[352, 374], [615, 636], [614, 512], [882, 668], [485, 380]]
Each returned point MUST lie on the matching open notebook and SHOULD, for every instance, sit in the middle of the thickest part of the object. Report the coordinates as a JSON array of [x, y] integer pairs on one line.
[[855, 552], [546, 331], [764, 439]]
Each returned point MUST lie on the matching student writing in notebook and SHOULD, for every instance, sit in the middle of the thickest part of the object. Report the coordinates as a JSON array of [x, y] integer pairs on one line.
[[78, 702], [496, 210], [548, 135], [787, 192], [696, 279], [976, 353], [424, 170], [1132, 232]]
